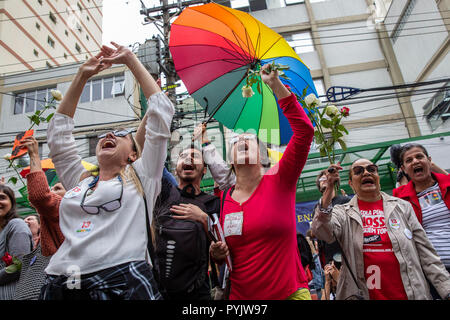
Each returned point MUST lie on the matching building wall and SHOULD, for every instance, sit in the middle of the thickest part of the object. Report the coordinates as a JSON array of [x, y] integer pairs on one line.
[[76, 34], [422, 50], [347, 53]]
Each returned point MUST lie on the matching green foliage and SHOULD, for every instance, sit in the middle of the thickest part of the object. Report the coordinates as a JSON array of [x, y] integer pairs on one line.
[[331, 121]]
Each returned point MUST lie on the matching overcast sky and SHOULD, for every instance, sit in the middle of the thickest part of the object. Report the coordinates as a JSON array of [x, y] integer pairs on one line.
[[122, 22]]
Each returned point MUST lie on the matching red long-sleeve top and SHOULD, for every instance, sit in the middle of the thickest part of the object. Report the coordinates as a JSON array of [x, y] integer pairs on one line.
[[265, 257], [46, 204]]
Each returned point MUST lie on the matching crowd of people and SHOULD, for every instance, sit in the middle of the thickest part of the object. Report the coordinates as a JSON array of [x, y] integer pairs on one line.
[[134, 231]]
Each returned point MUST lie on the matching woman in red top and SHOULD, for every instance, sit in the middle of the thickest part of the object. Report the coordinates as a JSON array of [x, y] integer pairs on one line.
[[258, 216]]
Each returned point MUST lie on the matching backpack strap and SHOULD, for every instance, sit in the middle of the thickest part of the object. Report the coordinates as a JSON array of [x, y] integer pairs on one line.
[[224, 195]]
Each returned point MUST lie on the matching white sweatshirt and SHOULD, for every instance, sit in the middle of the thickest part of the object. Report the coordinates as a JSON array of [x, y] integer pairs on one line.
[[96, 242]]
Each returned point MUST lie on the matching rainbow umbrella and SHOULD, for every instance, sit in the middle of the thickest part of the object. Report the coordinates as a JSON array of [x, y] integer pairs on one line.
[[214, 47]]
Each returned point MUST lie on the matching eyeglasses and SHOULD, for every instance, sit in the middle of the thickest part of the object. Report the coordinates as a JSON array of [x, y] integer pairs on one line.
[[371, 168], [117, 133], [242, 137], [107, 206]]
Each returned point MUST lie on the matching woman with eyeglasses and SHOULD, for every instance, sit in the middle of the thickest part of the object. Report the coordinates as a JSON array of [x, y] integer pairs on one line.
[[103, 218], [258, 214], [387, 255]]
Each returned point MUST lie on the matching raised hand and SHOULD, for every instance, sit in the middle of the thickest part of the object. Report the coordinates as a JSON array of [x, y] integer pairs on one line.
[[117, 55], [93, 66], [270, 77], [31, 144], [33, 151], [200, 131]]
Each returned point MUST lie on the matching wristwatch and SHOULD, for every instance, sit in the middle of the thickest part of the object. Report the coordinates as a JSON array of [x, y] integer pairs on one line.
[[325, 210]]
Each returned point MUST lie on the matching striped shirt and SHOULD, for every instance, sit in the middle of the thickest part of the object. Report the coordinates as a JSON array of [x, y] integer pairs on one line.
[[436, 221]]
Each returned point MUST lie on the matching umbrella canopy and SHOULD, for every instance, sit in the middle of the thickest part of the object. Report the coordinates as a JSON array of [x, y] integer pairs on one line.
[[47, 164], [214, 47]]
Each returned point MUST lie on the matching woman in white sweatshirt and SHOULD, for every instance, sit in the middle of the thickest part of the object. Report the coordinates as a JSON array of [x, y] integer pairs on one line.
[[104, 254]]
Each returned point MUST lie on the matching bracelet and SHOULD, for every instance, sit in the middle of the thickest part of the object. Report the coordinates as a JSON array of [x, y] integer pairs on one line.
[[206, 144], [325, 210]]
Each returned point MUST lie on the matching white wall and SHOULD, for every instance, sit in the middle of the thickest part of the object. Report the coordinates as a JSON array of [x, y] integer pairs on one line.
[[279, 17], [364, 80], [419, 40], [349, 46], [338, 8]]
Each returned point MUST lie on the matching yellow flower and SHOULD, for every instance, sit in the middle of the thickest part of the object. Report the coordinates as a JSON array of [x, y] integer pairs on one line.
[[56, 94]]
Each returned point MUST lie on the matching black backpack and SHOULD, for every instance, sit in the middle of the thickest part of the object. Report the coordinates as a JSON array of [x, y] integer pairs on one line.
[[182, 247]]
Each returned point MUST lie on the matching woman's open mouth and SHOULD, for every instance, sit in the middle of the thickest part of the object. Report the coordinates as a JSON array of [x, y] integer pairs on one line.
[[108, 144]]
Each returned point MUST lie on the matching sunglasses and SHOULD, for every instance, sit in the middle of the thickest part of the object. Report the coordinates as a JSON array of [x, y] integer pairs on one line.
[[107, 206], [371, 168], [243, 137], [117, 133]]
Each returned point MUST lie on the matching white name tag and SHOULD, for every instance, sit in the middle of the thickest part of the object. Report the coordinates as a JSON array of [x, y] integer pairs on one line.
[[233, 224]]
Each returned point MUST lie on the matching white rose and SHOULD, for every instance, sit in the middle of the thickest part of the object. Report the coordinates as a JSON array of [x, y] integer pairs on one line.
[[312, 100], [247, 91], [7, 156], [331, 111], [56, 94]]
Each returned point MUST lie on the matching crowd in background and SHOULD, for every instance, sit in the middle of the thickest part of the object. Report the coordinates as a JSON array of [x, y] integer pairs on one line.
[[134, 231]]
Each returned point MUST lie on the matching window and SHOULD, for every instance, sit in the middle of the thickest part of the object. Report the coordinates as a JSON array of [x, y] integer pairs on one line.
[[320, 88], [79, 7], [40, 2], [403, 19], [437, 110], [38, 26], [52, 17], [77, 47], [242, 5], [48, 65], [51, 42], [301, 42], [65, 55], [66, 32], [87, 37], [291, 2], [87, 18], [32, 100], [101, 89], [35, 52]]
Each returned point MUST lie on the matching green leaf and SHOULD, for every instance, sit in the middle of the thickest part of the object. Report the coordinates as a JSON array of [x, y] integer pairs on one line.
[[325, 123], [342, 143], [304, 92], [49, 117], [258, 87], [342, 128], [284, 77], [323, 152], [13, 180], [11, 269], [318, 137]]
